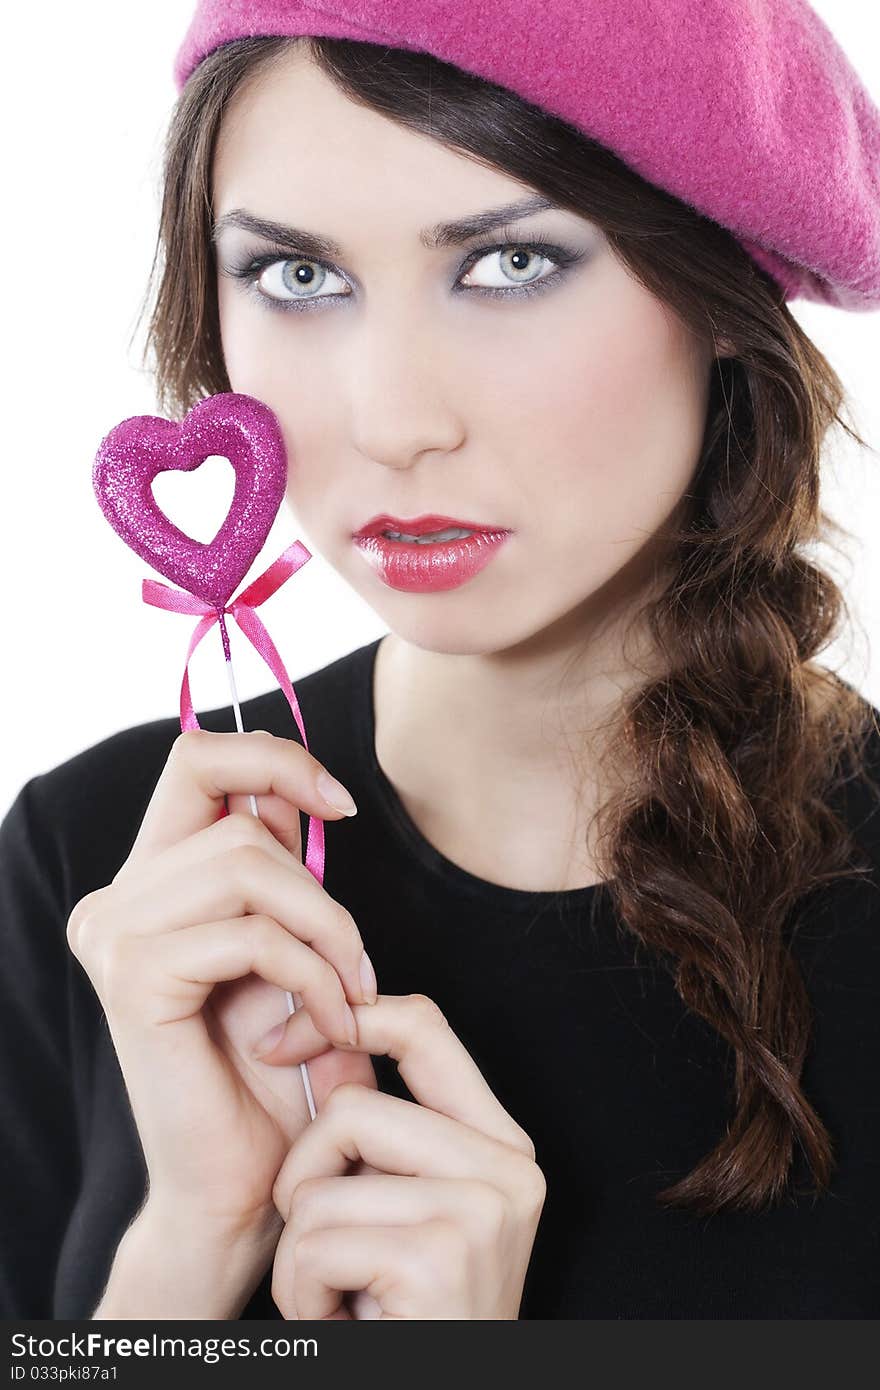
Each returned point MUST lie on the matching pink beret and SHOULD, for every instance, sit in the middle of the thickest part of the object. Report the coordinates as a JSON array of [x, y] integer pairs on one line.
[[747, 110]]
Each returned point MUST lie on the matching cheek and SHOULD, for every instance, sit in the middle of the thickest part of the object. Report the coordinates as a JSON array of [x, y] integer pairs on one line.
[[256, 353], [618, 424], [252, 339]]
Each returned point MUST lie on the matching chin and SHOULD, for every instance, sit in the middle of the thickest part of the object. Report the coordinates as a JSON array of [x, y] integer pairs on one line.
[[472, 635]]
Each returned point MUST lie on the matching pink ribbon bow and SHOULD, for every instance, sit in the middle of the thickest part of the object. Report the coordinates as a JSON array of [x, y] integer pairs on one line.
[[242, 610]]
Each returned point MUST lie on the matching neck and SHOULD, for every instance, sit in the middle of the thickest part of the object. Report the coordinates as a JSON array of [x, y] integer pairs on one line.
[[496, 756]]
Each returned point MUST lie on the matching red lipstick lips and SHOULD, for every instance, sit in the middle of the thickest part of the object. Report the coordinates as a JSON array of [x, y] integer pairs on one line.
[[427, 565], [419, 525]]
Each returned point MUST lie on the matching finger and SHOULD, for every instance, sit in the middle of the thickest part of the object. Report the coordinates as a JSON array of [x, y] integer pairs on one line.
[[281, 817], [251, 880], [228, 833], [495, 1223], [404, 1268], [177, 971], [388, 1200], [436, 1066], [203, 767], [395, 1136]]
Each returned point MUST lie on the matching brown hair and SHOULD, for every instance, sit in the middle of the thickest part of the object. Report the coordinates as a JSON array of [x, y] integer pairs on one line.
[[733, 730]]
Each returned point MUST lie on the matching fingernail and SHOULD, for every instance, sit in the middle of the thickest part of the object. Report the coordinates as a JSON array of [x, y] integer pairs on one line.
[[335, 794], [268, 1041], [368, 979], [351, 1027]]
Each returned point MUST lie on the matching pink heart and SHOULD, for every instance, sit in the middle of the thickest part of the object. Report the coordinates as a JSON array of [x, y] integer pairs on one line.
[[229, 424]]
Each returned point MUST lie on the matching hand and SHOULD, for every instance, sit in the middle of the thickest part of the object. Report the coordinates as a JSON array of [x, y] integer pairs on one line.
[[190, 950], [442, 1223]]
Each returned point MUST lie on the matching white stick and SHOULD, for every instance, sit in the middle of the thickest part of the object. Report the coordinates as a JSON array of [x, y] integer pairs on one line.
[[294, 1001]]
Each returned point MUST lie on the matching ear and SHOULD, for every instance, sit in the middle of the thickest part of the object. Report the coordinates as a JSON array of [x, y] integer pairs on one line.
[[724, 348]]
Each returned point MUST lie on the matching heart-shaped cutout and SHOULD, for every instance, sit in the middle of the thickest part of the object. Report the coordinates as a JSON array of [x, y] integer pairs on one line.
[[230, 424], [197, 503]]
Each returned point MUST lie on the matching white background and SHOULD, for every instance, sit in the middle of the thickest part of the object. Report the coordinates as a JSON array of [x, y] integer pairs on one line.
[[87, 92]]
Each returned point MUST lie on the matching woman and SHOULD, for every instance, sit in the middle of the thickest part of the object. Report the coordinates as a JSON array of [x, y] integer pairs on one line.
[[598, 771]]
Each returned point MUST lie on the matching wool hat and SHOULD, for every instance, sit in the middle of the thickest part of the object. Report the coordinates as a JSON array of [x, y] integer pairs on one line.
[[748, 111]]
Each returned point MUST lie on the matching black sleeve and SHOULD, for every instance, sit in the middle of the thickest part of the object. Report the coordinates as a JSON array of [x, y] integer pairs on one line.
[[40, 1150]]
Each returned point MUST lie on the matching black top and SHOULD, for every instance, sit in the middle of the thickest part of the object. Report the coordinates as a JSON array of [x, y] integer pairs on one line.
[[588, 1047]]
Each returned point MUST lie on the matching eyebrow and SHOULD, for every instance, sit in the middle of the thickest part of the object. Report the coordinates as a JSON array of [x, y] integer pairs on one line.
[[441, 234]]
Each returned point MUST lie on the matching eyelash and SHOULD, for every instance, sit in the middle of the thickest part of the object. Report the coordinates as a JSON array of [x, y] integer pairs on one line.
[[562, 257]]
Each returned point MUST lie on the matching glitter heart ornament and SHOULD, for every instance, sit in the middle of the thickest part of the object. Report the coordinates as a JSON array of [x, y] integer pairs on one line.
[[230, 424]]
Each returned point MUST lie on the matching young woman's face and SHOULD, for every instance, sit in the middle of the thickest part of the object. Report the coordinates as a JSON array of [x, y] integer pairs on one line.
[[570, 415]]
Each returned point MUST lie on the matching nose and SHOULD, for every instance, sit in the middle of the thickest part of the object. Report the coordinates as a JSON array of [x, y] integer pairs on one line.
[[402, 397]]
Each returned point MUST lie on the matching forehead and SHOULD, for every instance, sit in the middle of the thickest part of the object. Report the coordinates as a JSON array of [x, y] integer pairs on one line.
[[290, 135]]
